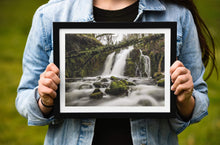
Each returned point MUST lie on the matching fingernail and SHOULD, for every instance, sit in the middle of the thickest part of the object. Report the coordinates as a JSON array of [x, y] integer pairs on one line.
[[175, 93], [172, 88]]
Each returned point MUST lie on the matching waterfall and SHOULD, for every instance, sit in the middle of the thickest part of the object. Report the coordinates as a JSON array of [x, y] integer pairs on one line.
[[115, 63], [147, 64], [108, 64], [120, 62], [116, 69]]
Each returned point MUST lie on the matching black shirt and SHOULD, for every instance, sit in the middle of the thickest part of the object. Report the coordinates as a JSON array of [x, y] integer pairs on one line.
[[127, 14], [114, 131]]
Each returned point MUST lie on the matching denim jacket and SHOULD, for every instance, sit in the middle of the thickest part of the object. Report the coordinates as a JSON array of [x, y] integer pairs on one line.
[[39, 53]]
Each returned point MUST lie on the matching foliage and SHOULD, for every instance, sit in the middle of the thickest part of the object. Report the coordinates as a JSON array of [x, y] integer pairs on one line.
[[85, 55]]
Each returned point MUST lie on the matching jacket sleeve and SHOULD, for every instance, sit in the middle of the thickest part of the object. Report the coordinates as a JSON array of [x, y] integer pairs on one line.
[[190, 56], [35, 60]]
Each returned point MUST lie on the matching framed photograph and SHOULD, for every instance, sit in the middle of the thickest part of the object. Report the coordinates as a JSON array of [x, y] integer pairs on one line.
[[114, 70]]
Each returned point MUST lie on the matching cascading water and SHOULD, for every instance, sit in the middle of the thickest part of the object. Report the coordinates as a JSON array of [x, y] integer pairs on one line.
[[120, 62], [108, 64], [147, 64], [143, 93]]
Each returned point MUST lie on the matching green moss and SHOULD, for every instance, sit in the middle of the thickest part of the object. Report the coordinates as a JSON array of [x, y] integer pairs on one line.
[[104, 80], [157, 76], [117, 88], [160, 83], [97, 94], [97, 84], [114, 78]]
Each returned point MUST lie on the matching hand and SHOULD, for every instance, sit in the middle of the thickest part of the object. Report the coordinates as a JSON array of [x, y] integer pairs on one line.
[[183, 88], [47, 86]]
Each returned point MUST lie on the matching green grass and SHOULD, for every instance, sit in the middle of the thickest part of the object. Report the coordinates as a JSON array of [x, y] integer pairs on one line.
[[15, 22], [207, 132]]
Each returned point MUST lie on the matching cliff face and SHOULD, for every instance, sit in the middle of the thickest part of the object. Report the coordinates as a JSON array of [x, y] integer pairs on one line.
[[86, 55]]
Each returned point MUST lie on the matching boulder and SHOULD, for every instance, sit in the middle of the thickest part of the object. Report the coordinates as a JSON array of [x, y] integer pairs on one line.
[[160, 83], [117, 88], [113, 78], [97, 94], [104, 80]]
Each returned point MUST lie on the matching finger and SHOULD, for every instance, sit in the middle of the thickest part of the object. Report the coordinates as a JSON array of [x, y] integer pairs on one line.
[[175, 65], [183, 96], [49, 83], [45, 91], [52, 67], [179, 80], [188, 86], [179, 71], [53, 76]]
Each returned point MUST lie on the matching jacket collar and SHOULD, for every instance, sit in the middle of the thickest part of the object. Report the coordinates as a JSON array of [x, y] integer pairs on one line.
[[151, 5], [87, 15]]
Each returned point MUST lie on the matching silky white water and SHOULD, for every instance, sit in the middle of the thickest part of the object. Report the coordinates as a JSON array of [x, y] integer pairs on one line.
[[120, 62], [144, 93]]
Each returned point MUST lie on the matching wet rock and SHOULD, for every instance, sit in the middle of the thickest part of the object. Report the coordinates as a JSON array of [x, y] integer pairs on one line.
[[157, 76], [160, 83], [117, 88], [145, 102], [100, 85], [113, 78], [128, 83], [97, 84], [67, 87], [131, 84], [97, 94], [105, 85], [104, 80], [98, 77]]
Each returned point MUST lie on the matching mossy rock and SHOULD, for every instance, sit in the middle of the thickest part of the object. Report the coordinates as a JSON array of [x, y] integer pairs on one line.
[[158, 76], [96, 91], [97, 94], [117, 88], [160, 83], [128, 83], [100, 85], [113, 78], [104, 80], [97, 84], [131, 84]]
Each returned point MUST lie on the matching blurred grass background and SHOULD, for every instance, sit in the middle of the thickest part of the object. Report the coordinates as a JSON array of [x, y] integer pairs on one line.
[[15, 22]]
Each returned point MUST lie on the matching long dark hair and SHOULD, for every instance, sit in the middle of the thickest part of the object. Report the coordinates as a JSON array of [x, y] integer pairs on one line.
[[205, 38]]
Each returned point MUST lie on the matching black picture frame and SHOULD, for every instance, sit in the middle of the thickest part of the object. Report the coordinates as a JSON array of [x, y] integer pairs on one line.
[[62, 36]]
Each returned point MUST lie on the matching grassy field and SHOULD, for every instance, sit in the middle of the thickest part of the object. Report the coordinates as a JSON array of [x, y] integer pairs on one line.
[[15, 22]]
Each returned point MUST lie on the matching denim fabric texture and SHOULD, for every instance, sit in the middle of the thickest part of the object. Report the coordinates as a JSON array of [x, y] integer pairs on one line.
[[39, 53]]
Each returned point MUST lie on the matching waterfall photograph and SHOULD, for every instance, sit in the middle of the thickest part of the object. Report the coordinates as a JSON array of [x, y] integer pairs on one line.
[[114, 69]]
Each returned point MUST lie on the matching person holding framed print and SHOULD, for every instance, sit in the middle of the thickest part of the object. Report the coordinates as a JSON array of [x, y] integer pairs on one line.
[[40, 79]]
